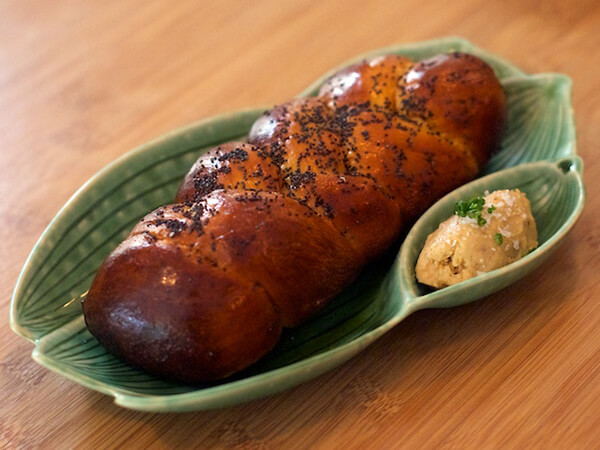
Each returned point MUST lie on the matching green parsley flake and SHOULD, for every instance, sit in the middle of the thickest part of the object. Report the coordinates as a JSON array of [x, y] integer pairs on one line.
[[491, 209], [498, 238], [472, 209]]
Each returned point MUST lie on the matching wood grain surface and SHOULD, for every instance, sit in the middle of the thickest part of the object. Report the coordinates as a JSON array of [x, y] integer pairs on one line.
[[82, 82]]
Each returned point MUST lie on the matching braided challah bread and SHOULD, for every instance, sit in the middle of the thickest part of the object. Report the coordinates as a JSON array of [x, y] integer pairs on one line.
[[263, 233]]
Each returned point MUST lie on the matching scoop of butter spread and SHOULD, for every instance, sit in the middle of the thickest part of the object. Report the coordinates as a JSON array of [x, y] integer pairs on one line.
[[464, 247]]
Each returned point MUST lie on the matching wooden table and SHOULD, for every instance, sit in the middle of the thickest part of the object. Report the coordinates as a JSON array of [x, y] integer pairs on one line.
[[82, 82]]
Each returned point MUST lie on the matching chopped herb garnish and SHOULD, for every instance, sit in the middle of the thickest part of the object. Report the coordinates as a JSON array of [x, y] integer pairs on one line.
[[498, 238], [491, 209], [472, 209]]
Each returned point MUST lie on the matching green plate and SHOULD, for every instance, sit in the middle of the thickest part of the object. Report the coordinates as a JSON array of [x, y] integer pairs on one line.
[[537, 156]]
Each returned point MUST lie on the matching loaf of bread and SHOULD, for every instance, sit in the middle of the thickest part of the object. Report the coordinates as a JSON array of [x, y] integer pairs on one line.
[[263, 233]]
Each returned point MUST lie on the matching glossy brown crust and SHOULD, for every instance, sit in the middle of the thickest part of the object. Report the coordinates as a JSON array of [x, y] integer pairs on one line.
[[309, 142], [356, 206], [375, 81], [274, 240], [190, 297], [264, 233], [458, 94], [176, 317], [234, 165], [411, 163]]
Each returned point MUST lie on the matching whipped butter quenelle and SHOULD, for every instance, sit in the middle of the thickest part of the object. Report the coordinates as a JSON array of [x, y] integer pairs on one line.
[[485, 233]]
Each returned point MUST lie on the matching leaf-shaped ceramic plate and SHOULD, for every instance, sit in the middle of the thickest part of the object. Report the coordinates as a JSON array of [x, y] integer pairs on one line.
[[537, 156]]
